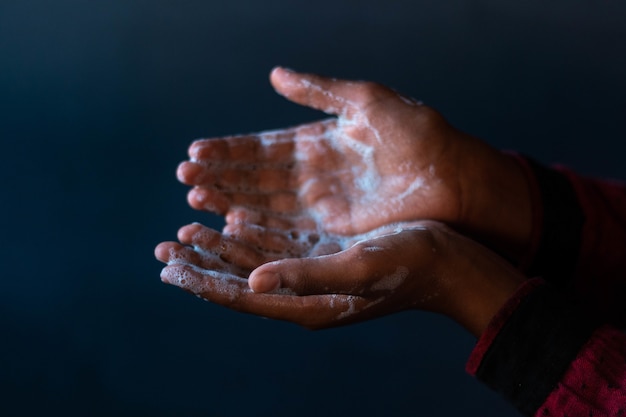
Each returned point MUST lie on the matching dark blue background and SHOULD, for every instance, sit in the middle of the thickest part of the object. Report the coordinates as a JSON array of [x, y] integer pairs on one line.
[[98, 103]]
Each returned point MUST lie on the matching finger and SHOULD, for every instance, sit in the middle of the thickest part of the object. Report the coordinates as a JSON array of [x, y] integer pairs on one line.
[[209, 199], [330, 95], [265, 159], [203, 198], [168, 252], [218, 286], [233, 292], [303, 239], [271, 146], [175, 253], [313, 312], [339, 273], [280, 243], [241, 215], [210, 242], [251, 179], [275, 147]]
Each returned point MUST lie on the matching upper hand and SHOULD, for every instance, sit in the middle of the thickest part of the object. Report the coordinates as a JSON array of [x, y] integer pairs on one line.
[[384, 158]]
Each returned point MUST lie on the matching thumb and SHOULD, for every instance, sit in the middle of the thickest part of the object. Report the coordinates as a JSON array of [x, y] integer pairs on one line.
[[330, 95], [330, 274]]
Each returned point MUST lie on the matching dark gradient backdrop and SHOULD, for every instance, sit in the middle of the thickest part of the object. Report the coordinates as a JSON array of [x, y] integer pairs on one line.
[[98, 102]]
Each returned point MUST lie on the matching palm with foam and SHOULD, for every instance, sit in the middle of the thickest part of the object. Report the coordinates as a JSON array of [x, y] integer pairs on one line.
[[334, 280], [306, 287], [383, 159]]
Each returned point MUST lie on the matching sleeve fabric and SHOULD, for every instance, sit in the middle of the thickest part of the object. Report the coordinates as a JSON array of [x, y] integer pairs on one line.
[[556, 348], [579, 237]]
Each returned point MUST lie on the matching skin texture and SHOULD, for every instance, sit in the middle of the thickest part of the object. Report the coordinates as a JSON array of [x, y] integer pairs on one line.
[[324, 220]]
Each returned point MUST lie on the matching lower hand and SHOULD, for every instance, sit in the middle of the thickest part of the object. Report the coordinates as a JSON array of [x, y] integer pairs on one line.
[[331, 280]]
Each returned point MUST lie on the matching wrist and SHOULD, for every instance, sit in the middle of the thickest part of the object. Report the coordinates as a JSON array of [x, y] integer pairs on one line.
[[500, 210], [485, 282]]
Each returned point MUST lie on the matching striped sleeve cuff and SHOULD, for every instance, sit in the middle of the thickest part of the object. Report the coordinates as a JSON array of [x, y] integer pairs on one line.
[[558, 221], [530, 344]]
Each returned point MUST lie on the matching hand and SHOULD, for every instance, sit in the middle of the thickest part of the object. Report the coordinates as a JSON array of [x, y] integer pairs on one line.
[[384, 159], [334, 280]]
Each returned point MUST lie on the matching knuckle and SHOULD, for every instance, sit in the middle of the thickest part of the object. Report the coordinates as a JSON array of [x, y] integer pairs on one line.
[[370, 91], [431, 118], [358, 259]]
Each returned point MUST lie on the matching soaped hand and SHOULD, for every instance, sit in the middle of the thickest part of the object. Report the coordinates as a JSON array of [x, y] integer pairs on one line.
[[383, 159], [330, 280]]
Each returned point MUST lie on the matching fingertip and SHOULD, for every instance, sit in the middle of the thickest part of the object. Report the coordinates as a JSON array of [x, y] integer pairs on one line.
[[180, 172], [275, 74], [264, 281], [231, 229], [279, 70], [162, 251], [165, 277], [278, 77], [275, 71], [231, 218], [186, 233], [179, 276], [201, 198], [188, 172], [238, 215], [195, 199]]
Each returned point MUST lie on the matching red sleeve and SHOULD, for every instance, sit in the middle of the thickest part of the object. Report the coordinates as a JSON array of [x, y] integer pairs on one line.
[[547, 356], [595, 382], [579, 236], [556, 349], [600, 275]]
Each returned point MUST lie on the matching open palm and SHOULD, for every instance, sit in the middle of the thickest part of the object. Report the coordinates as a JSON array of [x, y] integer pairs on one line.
[[385, 158], [322, 282]]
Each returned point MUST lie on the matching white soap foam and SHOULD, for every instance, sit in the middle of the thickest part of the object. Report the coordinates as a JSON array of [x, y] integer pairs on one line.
[[392, 281], [351, 307], [373, 249], [207, 281], [417, 183], [331, 109]]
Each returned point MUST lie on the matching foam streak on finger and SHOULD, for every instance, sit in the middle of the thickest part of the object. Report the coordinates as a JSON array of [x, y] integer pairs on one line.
[[216, 201], [208, 199], [279, 243], [205, 240], [255, 180], [230, 291], [227, 289], [275, 147], [216, 286], [241, 215], [329, 95], [314, 312], [249, 179]]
